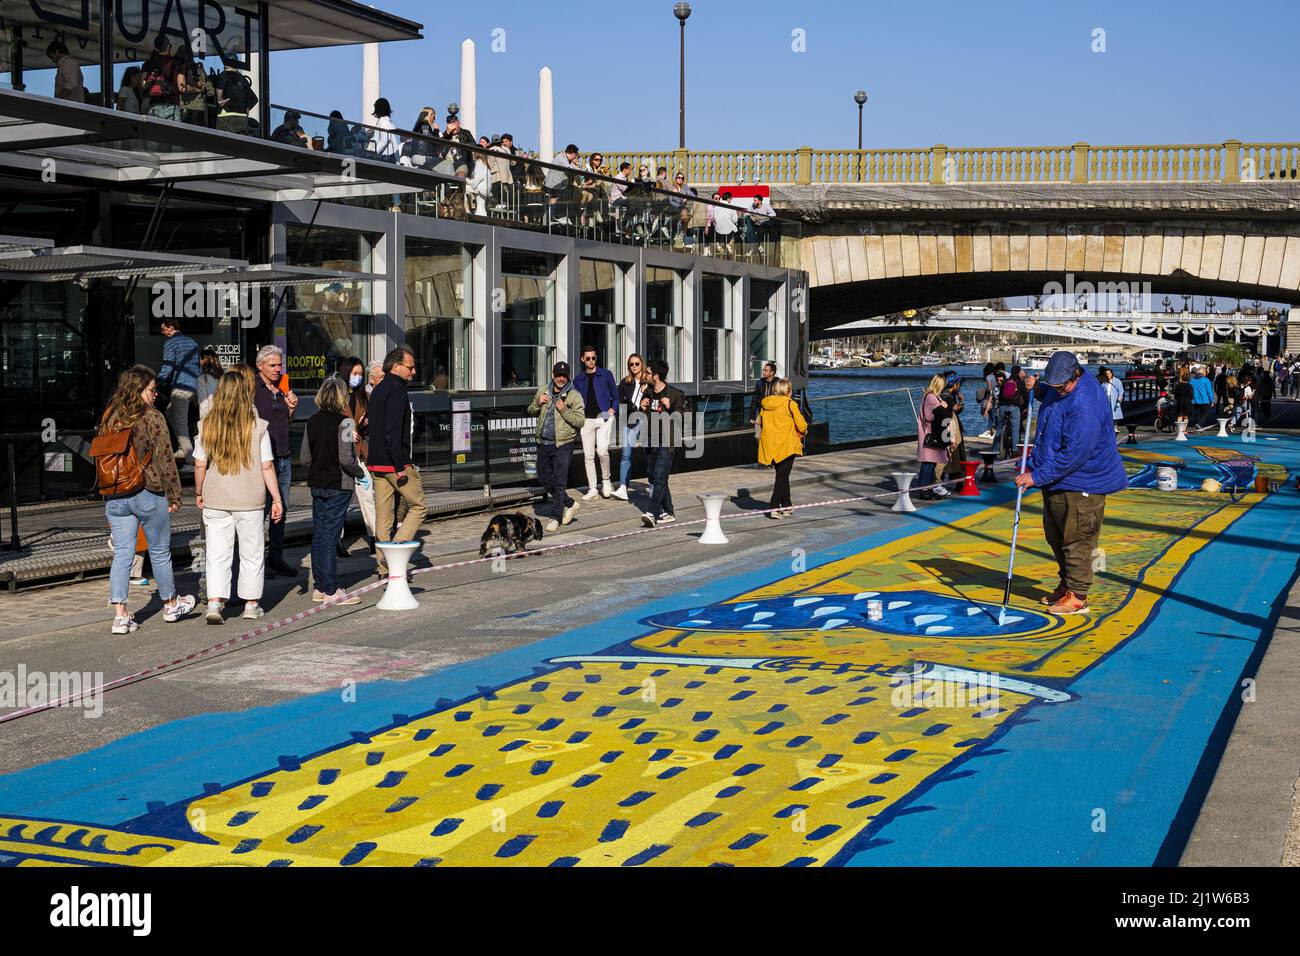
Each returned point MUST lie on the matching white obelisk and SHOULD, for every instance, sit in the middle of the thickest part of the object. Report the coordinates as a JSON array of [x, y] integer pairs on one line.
[[369, 81], [468, 89], [545, 116]]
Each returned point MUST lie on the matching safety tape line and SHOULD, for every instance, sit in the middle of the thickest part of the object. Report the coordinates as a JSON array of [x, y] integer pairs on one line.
[[164, 667]]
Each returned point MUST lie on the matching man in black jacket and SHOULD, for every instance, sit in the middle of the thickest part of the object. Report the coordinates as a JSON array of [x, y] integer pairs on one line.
[[665, 408], [762, 389], [389, 453]]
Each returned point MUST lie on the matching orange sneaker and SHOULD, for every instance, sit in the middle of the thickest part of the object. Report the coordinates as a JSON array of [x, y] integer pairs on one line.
[[1060, 592], [1070, 603]]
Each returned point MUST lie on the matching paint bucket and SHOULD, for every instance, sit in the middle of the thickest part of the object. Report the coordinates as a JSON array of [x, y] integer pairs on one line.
[[1261, 484], [875, 610], [1167, 478]]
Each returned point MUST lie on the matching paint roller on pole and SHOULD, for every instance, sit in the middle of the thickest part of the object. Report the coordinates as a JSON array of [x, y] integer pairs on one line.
[[1020, 494]]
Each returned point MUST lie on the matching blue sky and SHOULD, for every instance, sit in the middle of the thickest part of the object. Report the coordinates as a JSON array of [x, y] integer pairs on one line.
[[1008, 72]]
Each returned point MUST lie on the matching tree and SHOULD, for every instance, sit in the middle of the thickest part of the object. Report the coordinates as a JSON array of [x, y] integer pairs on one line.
[[1230, 354]]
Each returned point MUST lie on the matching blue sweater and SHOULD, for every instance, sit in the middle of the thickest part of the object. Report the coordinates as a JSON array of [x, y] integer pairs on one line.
[[1074, 444], [606, 391], [1202, 391], [180, 364]]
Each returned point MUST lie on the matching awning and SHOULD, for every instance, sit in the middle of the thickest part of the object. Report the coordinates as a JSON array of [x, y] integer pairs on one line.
[[20, 243], [229, 26], [64, 263], [269, 274], [98, 146]]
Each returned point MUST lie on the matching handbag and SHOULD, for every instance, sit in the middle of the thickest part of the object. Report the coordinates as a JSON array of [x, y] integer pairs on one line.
[[930, 440]]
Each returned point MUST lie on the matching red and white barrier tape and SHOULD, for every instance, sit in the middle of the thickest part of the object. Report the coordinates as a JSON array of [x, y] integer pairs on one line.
[[166, 666]]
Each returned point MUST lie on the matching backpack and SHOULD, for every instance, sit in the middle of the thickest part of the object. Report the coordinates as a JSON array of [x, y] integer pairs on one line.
[[982, 393], [1009, 392], [158, 81], [119, 472], [240, 97]]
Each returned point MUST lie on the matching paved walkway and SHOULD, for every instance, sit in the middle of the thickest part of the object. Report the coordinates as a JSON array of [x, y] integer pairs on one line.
[[651, 701]]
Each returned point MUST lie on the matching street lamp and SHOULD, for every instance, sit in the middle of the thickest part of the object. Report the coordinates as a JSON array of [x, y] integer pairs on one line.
[[860, 97], [681, 11]]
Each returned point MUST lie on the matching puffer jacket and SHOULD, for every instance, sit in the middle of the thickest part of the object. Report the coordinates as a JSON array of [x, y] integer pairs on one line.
[[783, 428], [568, 423], [1074, 443]]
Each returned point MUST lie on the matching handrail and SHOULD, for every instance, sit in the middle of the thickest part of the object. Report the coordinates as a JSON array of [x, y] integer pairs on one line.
[[1231, 161]]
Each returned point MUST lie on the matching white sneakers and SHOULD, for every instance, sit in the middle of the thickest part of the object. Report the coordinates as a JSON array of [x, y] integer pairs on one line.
[[591, 495], [606, 490], [125, 625], [620, 493], [648, 519], [986, 434], [551, 526], [666, 518], [941, 491], [214, 613], [252, 611], [320, 598], [182, 606], [568, 513]]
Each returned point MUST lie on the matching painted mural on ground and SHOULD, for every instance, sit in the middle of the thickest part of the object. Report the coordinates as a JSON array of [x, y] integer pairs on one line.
[[775, 726]]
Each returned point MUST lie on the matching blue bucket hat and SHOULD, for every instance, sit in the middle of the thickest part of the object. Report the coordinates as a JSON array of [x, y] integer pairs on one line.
[[1060, 368]]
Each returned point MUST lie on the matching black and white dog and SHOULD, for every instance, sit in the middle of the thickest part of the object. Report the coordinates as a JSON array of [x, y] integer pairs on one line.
[[509, 533]]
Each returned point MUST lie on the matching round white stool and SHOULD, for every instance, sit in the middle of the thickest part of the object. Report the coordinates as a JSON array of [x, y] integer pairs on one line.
[[397, 596], [904, 481], [1223, 428], [712, 518], [1182, 431]]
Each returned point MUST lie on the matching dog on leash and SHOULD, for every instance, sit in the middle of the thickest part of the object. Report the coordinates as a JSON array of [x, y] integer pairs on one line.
[[509, 533]]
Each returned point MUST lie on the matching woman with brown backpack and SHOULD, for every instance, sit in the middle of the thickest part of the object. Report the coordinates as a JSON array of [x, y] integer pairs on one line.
[[136, 475]]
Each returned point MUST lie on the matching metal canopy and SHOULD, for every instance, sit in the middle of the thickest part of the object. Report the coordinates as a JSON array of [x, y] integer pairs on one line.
[[305, 24], [270, 274], [105, 146], [66, 263], [20, 243]]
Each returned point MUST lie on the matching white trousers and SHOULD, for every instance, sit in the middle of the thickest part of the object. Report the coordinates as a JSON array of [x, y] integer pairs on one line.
[[366, 502], [595, 442], [220, 529]]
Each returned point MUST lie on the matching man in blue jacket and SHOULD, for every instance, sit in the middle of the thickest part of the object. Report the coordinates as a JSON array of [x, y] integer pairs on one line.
[[179, 377], [1076, 463], [599, 394], [1202, 399]]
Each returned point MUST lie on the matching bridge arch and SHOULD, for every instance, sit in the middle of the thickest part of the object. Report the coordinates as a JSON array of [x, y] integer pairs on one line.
[[861, 269]]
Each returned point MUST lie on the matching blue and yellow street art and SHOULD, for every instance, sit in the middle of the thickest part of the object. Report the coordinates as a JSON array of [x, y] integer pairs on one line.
[[770, 724]]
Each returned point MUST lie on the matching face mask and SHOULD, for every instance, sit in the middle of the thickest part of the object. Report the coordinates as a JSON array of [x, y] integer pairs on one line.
[[354, 381]]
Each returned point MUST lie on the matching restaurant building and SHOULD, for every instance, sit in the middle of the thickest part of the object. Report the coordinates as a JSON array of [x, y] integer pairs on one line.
[[110, 220]]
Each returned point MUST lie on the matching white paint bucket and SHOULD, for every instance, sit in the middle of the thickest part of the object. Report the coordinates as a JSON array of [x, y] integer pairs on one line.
[[1167, 478]]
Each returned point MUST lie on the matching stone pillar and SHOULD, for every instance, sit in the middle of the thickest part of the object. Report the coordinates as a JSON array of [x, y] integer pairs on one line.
[[803, 168], [1232, 161], [1079, 168], [1291, 332], [545, 116], [369, 80], [468, 89], [938, 158]]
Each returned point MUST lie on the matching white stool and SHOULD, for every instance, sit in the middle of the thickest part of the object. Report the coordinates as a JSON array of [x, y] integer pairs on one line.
[[1182, 431], [712, 519], [904, 481], [1223, 428], [397, 596]]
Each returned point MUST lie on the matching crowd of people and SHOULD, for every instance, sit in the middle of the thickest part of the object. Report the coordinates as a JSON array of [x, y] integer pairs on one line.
[[1203, 393], [359, 444]]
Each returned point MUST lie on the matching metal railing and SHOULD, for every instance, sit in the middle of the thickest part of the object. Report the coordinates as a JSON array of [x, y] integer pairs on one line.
[[1231, 161]]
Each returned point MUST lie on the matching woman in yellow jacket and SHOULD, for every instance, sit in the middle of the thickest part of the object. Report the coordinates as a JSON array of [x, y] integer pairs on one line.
[[780, 441]]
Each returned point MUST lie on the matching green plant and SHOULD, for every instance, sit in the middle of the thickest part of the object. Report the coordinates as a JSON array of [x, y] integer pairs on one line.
[[1230, 354]]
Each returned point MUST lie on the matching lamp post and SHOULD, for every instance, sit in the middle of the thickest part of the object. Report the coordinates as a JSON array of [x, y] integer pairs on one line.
[[860, 97], [681, 11]]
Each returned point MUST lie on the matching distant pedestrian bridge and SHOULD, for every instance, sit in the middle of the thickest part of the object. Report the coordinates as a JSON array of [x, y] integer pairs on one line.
[[1161, 331]]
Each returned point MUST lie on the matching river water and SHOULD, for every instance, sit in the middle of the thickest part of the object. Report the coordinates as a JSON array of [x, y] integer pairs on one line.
[[890, 413]]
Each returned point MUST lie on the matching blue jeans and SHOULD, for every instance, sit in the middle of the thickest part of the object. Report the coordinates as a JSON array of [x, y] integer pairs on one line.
[[125, 517], [329, 509], [1008, 422], [659, 464], [926, 475], [283, 475], [553, 475], [631, 435]]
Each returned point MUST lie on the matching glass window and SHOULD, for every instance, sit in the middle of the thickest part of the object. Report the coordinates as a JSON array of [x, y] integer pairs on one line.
[[663, 298], [315, 343], [528, 318], [715, 347], [761, 335], [601, 311], [439, 297], [44, 349]]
